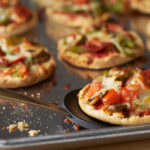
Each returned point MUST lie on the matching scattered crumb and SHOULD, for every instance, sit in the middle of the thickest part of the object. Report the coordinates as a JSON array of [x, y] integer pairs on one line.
[[22, 126], [38, 94], [67, 130], [66, 86], [32, 95], [25, 93], [12, 127], [76, 127], [3, 108], [66, 120], [33, 132], [3, 128]]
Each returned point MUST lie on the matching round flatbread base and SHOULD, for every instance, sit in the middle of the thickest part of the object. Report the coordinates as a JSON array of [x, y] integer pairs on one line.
[[86, 60], [140, 6], [113, 118], [79, 21], [10, 30], [36, 74]]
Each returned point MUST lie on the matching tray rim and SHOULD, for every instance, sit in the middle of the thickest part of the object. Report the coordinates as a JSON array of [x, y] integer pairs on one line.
[[111, 135]]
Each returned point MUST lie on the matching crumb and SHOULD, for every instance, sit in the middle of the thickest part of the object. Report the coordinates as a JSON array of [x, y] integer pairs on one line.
[[32, 95], [38, 94], [3, 128], [12, 127], [33, 132], [66, 120], [76, 127], [25, 93], [23, 126], [66, 86], [31, 113], [3, 108], [67, 130]]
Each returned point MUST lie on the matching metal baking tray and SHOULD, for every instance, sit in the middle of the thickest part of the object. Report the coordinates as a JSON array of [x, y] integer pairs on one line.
[[51, 124]]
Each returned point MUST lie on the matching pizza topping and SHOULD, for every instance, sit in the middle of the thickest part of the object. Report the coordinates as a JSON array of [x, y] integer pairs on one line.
[[80, 2], [109, 39], [92, 8], [95, 87], [111, 97], [116, 7], [18, 55], [121, 90], [14, 14]]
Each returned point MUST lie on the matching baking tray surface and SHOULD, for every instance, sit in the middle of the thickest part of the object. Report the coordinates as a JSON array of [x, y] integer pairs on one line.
[[51, 125]]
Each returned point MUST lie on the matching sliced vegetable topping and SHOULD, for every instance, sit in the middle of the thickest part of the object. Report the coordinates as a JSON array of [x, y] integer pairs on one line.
[[17, 56], [101, 42], [95, 87], [16, 14], [133, 94], [111, 97]]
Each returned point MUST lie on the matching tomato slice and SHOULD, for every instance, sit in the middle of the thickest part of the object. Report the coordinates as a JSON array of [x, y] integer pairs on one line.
[[81, 2], [111, 97], [129, 94], [95, 87]]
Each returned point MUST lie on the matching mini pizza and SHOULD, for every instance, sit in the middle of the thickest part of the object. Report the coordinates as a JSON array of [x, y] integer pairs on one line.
[[104, 47], [142, 6], [77, 13], [43, 3], [15, 18], [120, 96], [23, 62]]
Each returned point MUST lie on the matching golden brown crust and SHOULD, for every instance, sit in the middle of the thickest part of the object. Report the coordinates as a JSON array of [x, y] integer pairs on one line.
[[113, 118], [12, 29], [36, 74], [87, 61], [141, 6], [79, 21]]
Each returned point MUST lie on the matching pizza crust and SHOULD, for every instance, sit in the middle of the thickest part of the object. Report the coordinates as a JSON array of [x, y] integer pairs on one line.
[[140, 6], [84, 60], [35, 75], [79, 21], [12, 30], [114, 118]]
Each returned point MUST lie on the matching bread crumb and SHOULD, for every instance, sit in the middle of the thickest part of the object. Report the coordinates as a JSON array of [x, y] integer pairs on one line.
[[3, 108], [23, 126], [12, 127], [33, 132]]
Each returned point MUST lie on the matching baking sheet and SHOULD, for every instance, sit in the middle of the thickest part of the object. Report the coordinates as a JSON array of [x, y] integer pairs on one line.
[[50, 123]]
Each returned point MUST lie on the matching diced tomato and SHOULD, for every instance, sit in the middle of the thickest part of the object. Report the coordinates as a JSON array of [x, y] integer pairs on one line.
[[81, 2], [22, 11], [129, 94], [99, 105], [147, 73], [111, 97], [2, 53], [95, 87]]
